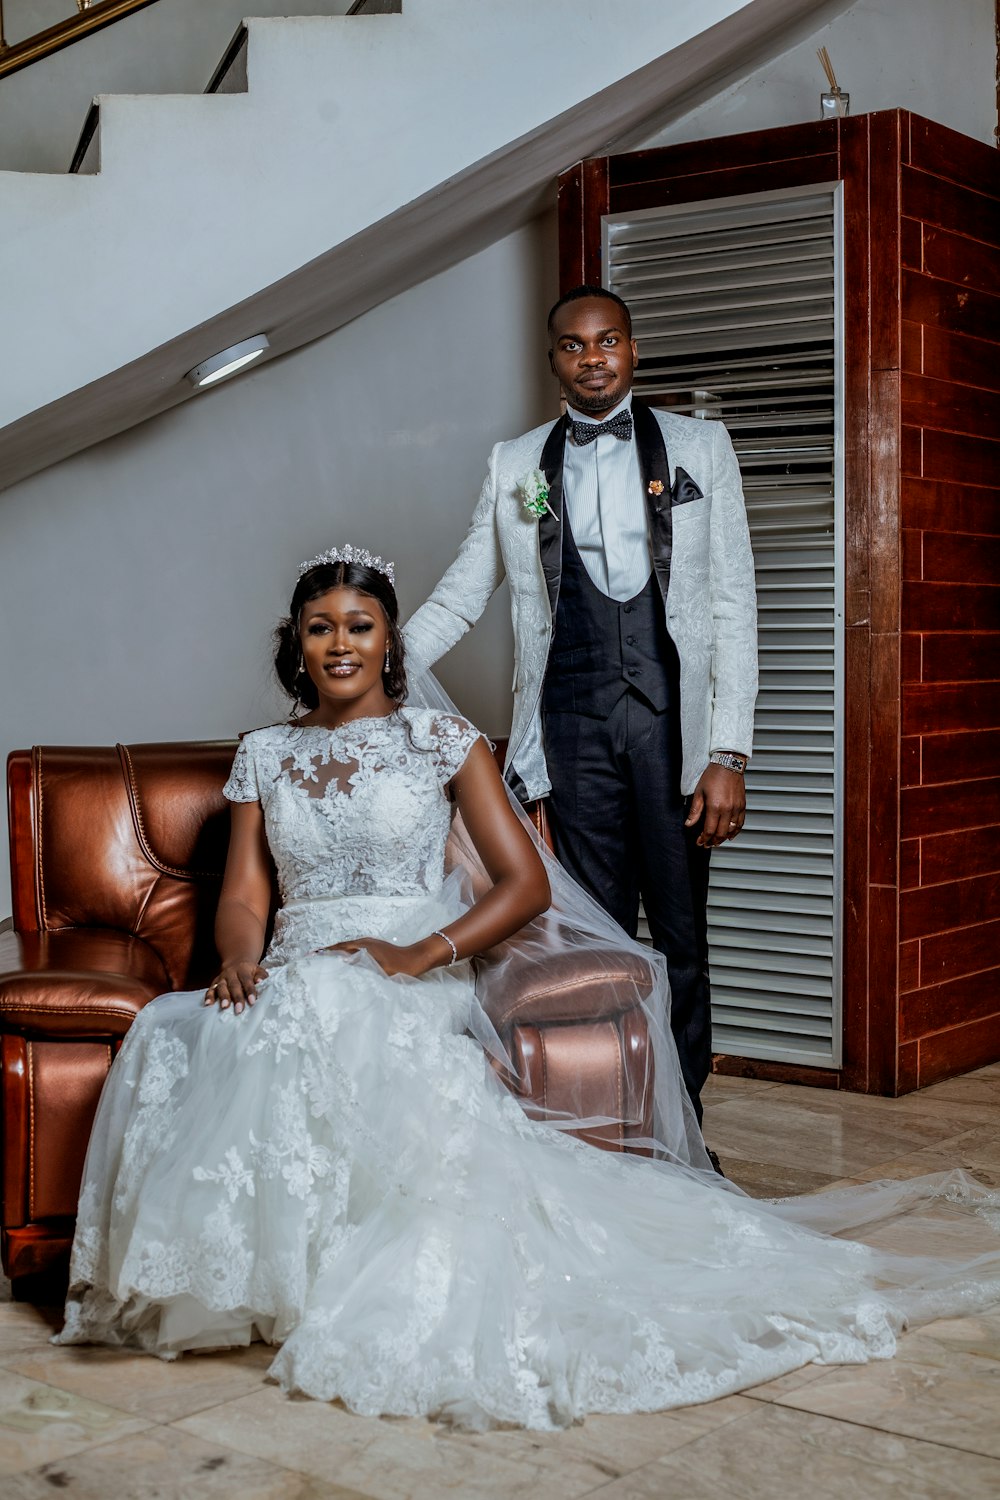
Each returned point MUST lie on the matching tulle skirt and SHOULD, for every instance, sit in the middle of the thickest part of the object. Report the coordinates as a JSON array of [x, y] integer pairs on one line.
[[340, 1172]]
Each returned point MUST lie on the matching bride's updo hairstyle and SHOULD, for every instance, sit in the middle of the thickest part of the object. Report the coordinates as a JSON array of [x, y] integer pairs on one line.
[[288, 662]]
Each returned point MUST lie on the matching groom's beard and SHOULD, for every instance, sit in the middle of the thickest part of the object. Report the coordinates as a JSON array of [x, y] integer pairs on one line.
[[596, 402]]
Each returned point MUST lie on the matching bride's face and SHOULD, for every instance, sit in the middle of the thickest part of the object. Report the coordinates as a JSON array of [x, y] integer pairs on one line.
[[344, 638]]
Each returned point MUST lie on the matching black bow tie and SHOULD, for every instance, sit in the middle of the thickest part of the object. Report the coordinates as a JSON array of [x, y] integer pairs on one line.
[[619, 426]]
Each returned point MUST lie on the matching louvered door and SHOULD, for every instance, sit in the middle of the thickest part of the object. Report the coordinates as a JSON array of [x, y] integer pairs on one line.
[[736, 306]]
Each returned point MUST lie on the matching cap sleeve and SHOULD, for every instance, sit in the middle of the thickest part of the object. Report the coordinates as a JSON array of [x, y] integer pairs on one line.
[[451, 740], [242, 783]]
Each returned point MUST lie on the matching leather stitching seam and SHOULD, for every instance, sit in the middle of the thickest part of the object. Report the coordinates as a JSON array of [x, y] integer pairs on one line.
[[68, 1010], [619, 1086], [545, 1069], [39, 861], [553, 989], [31, 1133]]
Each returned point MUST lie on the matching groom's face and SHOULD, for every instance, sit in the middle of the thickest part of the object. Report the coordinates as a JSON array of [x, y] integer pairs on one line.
[[592, 354]]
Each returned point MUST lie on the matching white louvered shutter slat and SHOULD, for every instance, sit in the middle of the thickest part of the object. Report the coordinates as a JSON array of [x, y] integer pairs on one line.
[[736, 309]]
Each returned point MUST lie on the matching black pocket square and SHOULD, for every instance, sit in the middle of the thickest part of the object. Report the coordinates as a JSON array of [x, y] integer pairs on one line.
[[684, 488]]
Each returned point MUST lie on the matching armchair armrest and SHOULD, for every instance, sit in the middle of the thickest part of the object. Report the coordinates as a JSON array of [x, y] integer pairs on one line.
[[76, 982], [563, 986]]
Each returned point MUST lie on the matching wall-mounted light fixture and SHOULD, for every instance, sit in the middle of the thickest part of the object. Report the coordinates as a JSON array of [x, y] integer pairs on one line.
[[228, 361]]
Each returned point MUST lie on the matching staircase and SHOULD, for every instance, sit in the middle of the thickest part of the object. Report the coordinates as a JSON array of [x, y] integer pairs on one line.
[[337, 161]]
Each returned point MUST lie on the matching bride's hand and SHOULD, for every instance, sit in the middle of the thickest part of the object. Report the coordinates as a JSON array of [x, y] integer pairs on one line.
[[391, 958], [235, 985]]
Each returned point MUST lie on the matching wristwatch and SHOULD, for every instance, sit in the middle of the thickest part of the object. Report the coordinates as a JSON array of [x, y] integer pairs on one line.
[[732, 762]]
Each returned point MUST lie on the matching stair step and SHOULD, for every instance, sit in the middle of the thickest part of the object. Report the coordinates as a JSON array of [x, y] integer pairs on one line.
[[87, 156], [230, 77]]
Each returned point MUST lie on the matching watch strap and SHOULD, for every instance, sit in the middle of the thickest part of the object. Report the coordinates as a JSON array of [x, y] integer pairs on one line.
[[731, 761]]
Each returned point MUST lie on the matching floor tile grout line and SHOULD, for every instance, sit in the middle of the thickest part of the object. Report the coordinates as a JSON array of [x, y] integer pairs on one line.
[[697, 1437], [87, 1449], [7, 1367], [221, 1442], [807, 1411], [847, 1421], [166, 1427]]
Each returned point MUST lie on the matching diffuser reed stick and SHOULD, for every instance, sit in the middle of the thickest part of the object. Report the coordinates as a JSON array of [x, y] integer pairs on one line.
[[831, 76]]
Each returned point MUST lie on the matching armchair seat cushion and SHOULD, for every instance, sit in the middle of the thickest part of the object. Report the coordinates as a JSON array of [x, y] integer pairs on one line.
[[76, 982]]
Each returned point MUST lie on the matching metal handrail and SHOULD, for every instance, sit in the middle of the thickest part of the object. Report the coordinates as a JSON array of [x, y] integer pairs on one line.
[[91, 16]]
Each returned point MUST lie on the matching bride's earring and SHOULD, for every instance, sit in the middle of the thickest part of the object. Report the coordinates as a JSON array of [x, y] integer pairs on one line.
[[385, 669]]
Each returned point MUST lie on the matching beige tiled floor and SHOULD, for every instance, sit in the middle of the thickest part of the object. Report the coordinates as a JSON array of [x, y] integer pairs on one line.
[[102, 1425]]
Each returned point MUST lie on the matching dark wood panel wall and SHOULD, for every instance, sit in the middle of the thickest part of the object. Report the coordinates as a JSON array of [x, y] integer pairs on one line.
[[921, 955], [949, 862]]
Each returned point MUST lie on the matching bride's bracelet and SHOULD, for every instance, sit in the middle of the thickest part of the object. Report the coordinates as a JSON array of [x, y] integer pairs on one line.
[[454, 951]]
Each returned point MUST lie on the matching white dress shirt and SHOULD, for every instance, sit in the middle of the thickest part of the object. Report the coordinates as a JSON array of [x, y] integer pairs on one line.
[[603, 499]]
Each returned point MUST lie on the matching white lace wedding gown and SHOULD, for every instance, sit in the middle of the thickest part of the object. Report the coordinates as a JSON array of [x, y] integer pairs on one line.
[[339, 1171]]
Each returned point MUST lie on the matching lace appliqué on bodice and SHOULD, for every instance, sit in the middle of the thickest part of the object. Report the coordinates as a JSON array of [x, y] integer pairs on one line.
[[356, 811]]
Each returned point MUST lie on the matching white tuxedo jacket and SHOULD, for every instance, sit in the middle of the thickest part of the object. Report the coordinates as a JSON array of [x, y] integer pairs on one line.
[[710, 599]]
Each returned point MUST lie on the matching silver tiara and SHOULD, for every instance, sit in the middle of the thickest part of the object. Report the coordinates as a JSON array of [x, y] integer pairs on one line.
[[351, 554]]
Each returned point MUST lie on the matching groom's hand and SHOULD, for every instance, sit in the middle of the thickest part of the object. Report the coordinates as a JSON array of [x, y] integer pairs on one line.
[[721, 797]]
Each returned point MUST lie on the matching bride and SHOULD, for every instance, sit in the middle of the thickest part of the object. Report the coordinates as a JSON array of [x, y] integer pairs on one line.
[[318, 1153]]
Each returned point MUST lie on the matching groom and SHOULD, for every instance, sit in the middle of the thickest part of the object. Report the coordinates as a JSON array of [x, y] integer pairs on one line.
[[623, 534]]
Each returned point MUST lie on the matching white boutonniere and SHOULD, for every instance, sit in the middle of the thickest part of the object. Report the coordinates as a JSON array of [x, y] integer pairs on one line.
[[534, 492]]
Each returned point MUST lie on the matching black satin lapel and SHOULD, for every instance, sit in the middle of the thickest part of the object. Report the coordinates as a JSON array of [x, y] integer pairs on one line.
[[655, 472], [550, 523]]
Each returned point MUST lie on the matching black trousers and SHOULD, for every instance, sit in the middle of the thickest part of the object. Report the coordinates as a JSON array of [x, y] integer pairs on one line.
[[618, 826]]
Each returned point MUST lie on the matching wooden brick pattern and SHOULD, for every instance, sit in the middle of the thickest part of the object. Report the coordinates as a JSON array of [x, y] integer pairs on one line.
[[949, 901]]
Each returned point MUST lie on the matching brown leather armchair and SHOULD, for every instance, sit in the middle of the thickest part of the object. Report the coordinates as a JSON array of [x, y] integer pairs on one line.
[[116, 860]]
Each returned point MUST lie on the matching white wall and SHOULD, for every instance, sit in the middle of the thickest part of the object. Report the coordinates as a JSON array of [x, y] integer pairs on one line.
[[139, 582], [935, 57], [172, 47]]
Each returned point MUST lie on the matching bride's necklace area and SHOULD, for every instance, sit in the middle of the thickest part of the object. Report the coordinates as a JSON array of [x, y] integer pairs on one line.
[[346, 724]]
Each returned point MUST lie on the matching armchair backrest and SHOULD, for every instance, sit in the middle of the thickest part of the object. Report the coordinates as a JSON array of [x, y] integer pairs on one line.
[[127, 837]]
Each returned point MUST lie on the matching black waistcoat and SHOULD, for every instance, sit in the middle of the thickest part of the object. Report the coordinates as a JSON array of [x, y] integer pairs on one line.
[[602, 648]]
